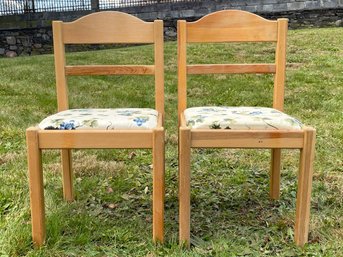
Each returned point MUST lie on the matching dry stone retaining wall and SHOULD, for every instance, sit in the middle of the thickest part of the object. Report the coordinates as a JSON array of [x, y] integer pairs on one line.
[[28, 34]]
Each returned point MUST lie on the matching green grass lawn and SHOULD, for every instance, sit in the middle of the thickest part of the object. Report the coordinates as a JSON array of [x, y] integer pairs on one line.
[[232, 214]]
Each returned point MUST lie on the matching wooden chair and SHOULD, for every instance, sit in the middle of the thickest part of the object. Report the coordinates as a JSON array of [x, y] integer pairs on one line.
[[138, 127], [238, 130]]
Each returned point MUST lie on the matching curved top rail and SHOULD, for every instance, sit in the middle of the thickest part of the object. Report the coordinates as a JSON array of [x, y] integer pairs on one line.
[[227, 15], [231, 26], [108, 27]]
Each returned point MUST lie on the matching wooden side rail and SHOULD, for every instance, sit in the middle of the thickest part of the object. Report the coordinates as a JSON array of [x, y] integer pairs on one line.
[[247, 139], [95, 139]]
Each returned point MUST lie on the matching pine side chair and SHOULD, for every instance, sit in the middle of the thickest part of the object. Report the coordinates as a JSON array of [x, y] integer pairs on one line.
[[110, 128], [241, 127]]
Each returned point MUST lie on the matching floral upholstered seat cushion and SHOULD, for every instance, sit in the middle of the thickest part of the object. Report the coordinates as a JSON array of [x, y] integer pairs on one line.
[[120, 118], [254, 118]]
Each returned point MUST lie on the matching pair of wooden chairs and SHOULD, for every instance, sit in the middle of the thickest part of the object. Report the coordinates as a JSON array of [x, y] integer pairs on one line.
[[236, 127]]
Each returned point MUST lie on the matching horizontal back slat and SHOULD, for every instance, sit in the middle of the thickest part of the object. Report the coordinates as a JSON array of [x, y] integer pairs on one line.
[[232, 26], [110, 70], [108, 27], [230, 68]]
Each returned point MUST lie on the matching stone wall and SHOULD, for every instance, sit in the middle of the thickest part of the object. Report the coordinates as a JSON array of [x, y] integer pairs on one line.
[[30, 33], [26, 42]]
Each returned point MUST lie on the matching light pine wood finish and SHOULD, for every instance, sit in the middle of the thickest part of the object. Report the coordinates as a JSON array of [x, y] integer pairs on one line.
[[275, 174], [230, 68], [60, 63], [109, 27], [67, 175], [181, 67], [241, 26], [304, 187], [99, 28], [158, 185], [110, 70], [227, 26], [36, 187], [184, 185], [159, 67], [246, 138], [97, 139], [278, 101], [280, 62]]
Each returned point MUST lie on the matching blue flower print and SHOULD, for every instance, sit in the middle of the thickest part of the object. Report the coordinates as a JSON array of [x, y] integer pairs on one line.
[[255, 113], [67, 125], [128, 112], [125, 113], [208, 109], [140, 120]]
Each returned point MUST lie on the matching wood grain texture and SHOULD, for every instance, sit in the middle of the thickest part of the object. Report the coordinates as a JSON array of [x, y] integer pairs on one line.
[[159, 66], [78, 70], [59, 56], [240, 26], [67, 175], [181, 66], [280, 62], [99, 28], [246, 138], [231, 26], [275, 168], [230, 68], [106, 28], [97, 139], [302, 219], [184, 186], [36, 187], [158, 185]]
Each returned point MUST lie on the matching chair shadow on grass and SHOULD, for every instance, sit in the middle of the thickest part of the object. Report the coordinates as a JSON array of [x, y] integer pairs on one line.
[[110, 206], [233, 204], [113, 207]]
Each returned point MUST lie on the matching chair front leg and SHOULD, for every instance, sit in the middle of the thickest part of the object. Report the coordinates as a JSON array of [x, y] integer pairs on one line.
[[158, 185], [36, 187], [67, 175], [304, 188], [275, 174], [184, 185]]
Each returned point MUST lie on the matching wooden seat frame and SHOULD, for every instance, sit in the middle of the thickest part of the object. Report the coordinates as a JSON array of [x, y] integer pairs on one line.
[[241, 26], [99, 28]]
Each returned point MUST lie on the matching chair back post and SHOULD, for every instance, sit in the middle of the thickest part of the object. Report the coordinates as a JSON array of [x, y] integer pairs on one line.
[[182, 66], [107, 28], [159, 66], [280, 63], [233, 26], [60, 62]]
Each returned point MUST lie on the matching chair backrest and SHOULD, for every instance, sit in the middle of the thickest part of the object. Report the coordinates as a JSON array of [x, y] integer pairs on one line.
[[107, 28], [232, 26]]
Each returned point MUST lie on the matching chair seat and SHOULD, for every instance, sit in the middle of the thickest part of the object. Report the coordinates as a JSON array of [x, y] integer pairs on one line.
[[240, 118], [107, 119]]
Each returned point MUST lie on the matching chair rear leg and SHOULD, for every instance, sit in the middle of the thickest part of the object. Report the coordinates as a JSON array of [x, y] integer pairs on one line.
[[158, 185], [275, 174], [67, 175], [304, 188], [36, 187], [184, 186]]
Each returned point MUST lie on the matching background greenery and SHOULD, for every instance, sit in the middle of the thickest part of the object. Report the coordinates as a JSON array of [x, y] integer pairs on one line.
[[232, 214]]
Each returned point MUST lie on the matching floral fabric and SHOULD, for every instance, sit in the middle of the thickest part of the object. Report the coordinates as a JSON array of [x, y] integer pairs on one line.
[[255, 118], [121, 118]]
